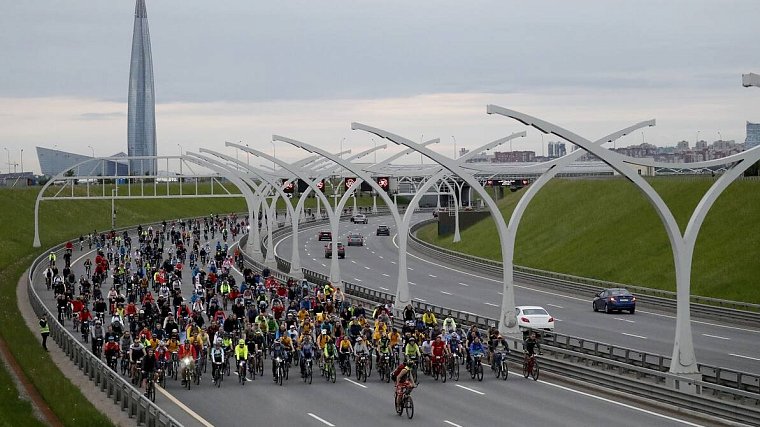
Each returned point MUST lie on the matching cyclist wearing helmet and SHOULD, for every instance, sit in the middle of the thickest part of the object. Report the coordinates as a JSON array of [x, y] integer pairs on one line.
[[218, 358], [278, 351], [241, 355], [412, 350]]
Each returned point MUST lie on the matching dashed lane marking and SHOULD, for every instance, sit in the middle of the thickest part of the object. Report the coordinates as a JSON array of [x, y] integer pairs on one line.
[[322, 420], [470, 389], [638, 336]]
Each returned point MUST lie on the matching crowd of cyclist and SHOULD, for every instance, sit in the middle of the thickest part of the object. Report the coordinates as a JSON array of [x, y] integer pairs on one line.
[[130, 305]]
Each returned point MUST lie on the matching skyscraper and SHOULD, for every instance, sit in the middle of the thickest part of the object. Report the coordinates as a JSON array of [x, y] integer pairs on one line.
[[753, 135], [141, 117]]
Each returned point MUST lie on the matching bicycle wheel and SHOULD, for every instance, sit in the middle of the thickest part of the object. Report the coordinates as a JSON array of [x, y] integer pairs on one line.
[[534, 372], [456, 372], [333, 375], [152, 392], [526, 372], [309, 374], [409, 405], [286, 370], [504, 370], [280, 374], [479, 372], [348, 369], [227, 368], [443, 374], [435, 373], [399, 406], [496, 369]]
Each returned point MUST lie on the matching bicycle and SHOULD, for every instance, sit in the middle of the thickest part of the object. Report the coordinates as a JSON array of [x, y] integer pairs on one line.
[[241, 372], [217, 374], [345, 366], [308, 374], [260, 362], [124, 363], [476, 367], [187, 373], [362, 368], [412, 364], [530, 367], [499, 365], [403, 401], [384, 368], [454, 366], [438, 368], [329, 370], [279, 370], [150, 388]]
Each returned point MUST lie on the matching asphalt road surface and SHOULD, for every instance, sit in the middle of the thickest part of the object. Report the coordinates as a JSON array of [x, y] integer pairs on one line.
[[492, 402], [375, 266]]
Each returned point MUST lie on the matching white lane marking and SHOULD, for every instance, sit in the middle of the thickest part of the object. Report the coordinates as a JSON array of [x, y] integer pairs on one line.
[[491, 304], [372, 252], [386, 275], [412, 283], [624, 320], [463, 284], [603, 399], [353, 261], [381, 257], [410, 268], [184, 407], [393, 262], [470, 389], [357, 279], [384, 288], [313, 259], [446, 293], [355, 383], [451, 424], [500, 293], [744, 357], [637, 336], [324, 265], [715, 336], [419, 299], [367, 268], [322, 420], [584, 300], [555, 306], [432, 275]]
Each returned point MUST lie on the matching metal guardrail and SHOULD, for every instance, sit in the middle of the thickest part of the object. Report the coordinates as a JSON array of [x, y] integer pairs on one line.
[[730, 386], [702, 306], [129, 399]]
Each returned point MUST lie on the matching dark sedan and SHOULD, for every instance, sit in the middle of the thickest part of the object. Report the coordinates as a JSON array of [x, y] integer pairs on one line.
[[615, 299]]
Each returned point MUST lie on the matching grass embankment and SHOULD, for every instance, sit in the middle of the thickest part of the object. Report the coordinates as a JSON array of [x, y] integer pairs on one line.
[[61, 220], [606, 229]]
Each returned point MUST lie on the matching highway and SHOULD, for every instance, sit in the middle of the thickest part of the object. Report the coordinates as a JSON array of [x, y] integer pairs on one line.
[[374, 266], [517, 401]]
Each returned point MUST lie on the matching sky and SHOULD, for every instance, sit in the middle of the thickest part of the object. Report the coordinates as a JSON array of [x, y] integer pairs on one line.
[[242, 70]]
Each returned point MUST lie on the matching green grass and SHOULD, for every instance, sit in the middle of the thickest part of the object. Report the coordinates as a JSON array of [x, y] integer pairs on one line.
[[606, 229], [62, 220]]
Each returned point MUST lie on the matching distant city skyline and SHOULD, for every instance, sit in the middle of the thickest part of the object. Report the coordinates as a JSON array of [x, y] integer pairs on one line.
[[247, 70]]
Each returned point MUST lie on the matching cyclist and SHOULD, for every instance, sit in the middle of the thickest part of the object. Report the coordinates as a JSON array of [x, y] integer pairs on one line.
[[329, 351], [476, 349], [439, 349], [345, 350], [449, 325], [188, 354], [404, 381], [217, 359], [148, 367], [531, 344], [383, 347], [278, 350], [136, 353], [360, 348], [111, 350], [412, 350], [307, 352], [241, 356], [288, 346]]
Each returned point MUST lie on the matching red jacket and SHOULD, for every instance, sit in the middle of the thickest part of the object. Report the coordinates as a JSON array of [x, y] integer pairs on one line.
[[184, 351]]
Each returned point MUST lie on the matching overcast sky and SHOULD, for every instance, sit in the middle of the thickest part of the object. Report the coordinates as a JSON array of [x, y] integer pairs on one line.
[[243, 70]]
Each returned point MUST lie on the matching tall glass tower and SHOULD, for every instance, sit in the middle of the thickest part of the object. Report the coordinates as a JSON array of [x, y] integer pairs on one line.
[[141, 117]]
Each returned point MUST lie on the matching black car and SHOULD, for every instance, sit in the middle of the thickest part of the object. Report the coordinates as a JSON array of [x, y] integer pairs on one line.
[[325, 235], [614, 299], [383, 230]]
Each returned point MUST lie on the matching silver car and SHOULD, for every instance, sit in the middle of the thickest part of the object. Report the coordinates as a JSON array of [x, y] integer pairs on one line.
[[355, 239]]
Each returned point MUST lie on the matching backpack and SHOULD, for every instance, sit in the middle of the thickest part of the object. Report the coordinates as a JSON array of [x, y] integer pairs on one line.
[[396, 373]]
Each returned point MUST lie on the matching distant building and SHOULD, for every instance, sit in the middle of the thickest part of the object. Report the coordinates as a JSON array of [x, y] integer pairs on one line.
[[513, 157], [53, 162], [682, 145], [556, 149], [753, 135], [17, 180]]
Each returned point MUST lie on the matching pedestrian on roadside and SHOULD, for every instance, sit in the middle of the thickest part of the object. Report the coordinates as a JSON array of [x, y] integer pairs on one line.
[[44, 331]]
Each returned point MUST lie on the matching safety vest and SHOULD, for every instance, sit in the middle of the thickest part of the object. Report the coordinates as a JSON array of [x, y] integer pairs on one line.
[[45, 329]]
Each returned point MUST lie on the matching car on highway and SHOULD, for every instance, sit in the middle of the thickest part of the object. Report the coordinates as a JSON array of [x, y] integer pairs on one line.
[[534, 317], [324, 235], [383, 230], [359, 219], [341, 250], [354, 239], [614, 299]]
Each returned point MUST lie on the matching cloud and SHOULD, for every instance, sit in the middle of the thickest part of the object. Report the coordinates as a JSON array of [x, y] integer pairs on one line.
[[102, 116]]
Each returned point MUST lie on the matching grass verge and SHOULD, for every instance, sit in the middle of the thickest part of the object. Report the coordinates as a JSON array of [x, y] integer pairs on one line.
[[606, 229]]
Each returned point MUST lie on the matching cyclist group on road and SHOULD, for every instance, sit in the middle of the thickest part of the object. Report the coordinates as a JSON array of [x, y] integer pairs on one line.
[[129, 304]]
